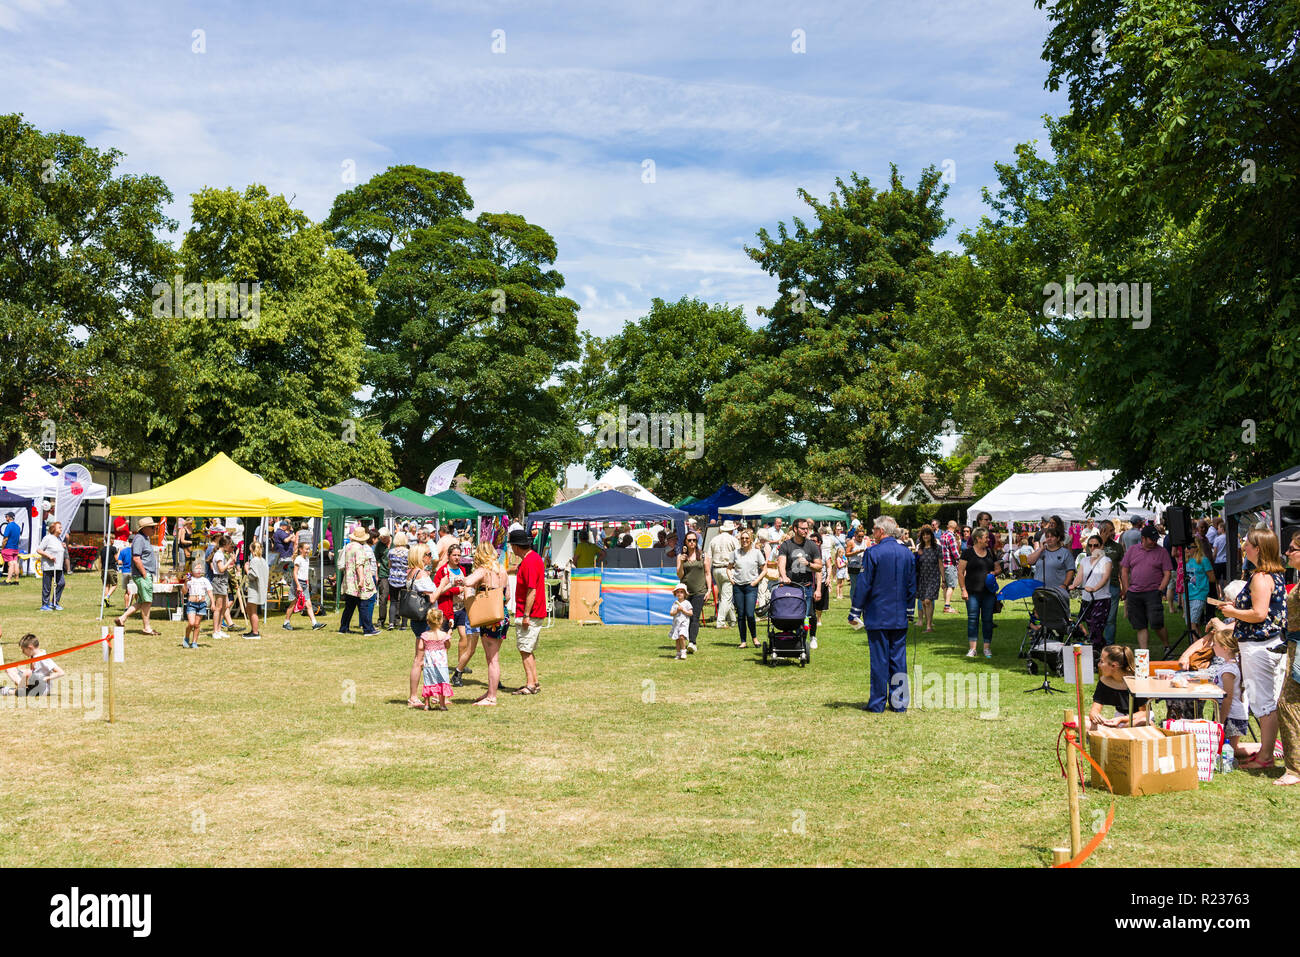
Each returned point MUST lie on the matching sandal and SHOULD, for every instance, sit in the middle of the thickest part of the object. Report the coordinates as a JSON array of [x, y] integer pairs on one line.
[[416, 703], [527, 689], [152, 634], [1254, 764], [1287, 779]]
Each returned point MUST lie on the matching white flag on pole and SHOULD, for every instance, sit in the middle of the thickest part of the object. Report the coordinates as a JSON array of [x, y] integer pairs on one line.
[[72, 488], [441, 478]]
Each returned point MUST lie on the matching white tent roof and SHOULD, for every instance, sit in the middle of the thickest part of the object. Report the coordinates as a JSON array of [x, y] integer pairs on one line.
[[621, 480], [1029, 496], [30, 476], [760, 503]]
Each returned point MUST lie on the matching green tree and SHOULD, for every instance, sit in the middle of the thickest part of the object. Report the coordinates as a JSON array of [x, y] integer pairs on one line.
[[666, 362], [380, 215], [1194, 108], [80, 257], [469, 322], [272, 386], [832, 404]]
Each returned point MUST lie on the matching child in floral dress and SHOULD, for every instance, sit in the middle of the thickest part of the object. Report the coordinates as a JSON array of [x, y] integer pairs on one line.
[[437, 677]]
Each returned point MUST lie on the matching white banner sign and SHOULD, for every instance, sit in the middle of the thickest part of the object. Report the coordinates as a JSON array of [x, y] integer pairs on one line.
[[441, 478], [72, 489]]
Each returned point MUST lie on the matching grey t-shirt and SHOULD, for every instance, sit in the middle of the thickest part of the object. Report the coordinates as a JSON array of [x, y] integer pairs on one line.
[[143, 549], [1053, 567], [1130, 538], [51, 545]]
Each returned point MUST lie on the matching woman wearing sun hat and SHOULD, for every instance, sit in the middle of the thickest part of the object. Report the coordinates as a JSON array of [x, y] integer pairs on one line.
[[358, 570]]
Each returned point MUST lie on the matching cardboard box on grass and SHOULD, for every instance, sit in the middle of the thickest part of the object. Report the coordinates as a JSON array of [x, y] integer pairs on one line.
[[1144, 760]]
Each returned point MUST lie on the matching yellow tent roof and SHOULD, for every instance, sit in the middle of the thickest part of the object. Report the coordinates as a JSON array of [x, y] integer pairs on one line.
[[218, 488]]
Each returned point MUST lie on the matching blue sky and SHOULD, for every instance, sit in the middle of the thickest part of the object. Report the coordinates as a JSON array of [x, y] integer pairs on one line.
[[557, 127]]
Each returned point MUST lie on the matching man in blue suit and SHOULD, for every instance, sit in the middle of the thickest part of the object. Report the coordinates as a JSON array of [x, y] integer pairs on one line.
[[885, 590]]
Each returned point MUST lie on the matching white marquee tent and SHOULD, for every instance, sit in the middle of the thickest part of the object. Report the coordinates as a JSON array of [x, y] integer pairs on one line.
[[1029, 496], [760, 503]]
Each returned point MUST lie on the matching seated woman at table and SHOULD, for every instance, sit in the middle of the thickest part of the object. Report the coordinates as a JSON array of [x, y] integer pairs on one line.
[[1116, 664]]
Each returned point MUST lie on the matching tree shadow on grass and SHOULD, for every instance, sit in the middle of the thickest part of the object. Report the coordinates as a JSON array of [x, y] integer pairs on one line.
[[839, 705]]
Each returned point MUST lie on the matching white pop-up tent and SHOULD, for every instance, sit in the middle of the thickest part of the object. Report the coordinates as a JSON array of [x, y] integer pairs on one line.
[[1029, 496], [760, 503], [29, 475]]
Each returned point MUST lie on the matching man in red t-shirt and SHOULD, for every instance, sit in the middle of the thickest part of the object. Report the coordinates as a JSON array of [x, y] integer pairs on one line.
[[530, 605]]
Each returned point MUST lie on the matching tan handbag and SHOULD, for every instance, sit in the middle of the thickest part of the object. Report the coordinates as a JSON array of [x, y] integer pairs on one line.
[[486, 607]]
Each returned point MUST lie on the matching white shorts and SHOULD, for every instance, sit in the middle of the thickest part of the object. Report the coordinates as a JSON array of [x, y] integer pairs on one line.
[[1262, 674], [526, 637]]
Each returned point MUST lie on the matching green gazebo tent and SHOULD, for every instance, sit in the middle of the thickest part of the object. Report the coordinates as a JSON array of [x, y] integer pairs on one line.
[[336, 508], [447, 509], [807, 509]]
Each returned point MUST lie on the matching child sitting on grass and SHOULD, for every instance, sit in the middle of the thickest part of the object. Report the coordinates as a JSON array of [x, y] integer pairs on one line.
[[437, 677], [681, 612], [36, 679]]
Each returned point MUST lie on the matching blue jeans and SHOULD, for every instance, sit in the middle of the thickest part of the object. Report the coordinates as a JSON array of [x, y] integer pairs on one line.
[[1110, 618], [980, 606], [888, 669], [746, 601]]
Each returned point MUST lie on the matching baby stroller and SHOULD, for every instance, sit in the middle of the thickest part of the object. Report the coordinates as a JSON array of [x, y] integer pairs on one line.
[[787, 626], [1050, 630]]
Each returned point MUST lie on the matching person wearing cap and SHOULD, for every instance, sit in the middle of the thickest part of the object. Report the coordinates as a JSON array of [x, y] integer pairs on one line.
[[722, 550], [285, 545], [144, 566], [10, 538], [1144, 573], [530, 606], [681, 612]]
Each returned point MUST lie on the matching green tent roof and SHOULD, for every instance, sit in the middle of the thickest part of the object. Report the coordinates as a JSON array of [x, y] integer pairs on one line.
[[447, 509], [459, 499], [688, 500], [337, 507], [807, 509]]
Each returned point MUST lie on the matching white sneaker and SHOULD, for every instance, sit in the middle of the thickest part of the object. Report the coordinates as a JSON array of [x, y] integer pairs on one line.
[[681, 656], [971, 653], [691, 648], [813, 644]]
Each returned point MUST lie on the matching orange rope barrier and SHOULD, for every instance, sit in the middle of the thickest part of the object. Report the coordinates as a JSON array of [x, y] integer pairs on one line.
[[55, 654], [1110, 815]]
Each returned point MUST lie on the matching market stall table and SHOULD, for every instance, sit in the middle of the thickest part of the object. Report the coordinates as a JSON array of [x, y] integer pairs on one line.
[[1151, 689]]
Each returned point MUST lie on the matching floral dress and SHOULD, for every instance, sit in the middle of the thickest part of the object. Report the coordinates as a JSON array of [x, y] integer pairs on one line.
[[436, 678], [928, 561]]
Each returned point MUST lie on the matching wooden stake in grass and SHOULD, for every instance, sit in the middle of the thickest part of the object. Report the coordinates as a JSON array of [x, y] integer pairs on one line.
[[1072, 774]]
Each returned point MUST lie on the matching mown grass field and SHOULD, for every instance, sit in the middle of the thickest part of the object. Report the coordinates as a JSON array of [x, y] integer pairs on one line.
[[299, 750]]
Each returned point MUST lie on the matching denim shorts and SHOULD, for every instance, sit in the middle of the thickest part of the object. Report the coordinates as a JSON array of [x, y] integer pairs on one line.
[[199, 608]]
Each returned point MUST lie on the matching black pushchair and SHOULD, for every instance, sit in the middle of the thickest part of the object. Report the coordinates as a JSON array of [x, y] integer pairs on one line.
[[1050, 630], [787, 626]]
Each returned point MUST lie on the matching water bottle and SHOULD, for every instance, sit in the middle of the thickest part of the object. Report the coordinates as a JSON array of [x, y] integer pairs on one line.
[[1227, 759]]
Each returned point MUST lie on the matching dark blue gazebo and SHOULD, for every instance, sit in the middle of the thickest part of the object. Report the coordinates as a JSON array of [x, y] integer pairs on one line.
[[611, 506], [724, 496]]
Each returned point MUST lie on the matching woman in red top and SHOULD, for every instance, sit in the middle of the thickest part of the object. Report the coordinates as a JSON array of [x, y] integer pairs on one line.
[[448, 578]]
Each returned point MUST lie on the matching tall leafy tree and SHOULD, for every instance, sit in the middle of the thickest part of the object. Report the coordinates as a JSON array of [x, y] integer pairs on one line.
[[1203, 101], [272, 383], [665, 363], [79, 258], [469, 323], [832, 405]]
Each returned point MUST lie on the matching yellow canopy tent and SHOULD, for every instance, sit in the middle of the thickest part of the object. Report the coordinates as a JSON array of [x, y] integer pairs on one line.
[[218, 488]]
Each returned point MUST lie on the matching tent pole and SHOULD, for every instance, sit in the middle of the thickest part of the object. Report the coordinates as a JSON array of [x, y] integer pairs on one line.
[[105, 559]]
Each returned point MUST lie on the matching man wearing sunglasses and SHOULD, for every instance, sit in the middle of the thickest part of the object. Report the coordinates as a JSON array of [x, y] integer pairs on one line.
[[799, 562]]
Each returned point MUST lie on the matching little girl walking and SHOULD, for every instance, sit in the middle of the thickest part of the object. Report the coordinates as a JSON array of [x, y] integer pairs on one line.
[[437, 677], [682, 611]]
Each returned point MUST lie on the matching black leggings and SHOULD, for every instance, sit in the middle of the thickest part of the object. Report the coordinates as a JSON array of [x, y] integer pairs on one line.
[[697, 609]]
